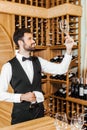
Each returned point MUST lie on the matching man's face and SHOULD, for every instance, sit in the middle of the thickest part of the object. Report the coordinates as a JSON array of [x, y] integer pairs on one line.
[[28, 42]]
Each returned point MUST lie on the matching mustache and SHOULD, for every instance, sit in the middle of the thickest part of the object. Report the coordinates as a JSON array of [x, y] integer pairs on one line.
[[33, 44]]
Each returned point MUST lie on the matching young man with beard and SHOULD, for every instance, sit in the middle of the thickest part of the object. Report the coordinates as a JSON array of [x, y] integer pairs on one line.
[[23, 73]]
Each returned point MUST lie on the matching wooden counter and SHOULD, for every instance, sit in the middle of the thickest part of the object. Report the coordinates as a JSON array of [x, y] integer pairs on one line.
[[45, 123]]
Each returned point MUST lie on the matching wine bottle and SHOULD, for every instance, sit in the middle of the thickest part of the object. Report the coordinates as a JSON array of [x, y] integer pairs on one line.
[[53, 76], [71, 75], [62, 77], [76, 92], [64, 93], [73, 87], [43, 76], [81, 89], [85, 90], [54, 59], [61, 91]]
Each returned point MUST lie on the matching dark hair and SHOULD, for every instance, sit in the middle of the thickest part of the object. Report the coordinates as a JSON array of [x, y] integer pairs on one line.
[[18, 34]]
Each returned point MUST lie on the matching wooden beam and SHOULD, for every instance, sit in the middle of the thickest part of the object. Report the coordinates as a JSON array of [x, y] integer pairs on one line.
[[32, 11], [65, 9], [22, 9]]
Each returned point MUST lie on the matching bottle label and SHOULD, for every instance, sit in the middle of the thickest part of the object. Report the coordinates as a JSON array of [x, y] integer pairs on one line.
[[85, 91], [81, 92]]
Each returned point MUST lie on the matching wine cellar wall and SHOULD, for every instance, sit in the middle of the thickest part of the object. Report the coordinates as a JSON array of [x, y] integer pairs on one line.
[[49, 39], [50, 45]]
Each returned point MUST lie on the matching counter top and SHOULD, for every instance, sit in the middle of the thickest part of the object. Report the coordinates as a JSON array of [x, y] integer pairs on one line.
[[37, 124], [44, 123]]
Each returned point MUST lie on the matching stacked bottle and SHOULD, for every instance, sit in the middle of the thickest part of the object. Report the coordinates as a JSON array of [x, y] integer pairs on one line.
[[59, 58], [62, 91], [62, 76], [79, 88]]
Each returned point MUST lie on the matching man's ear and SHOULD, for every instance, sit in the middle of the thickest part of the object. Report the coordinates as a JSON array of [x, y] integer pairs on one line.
[[20, 42]]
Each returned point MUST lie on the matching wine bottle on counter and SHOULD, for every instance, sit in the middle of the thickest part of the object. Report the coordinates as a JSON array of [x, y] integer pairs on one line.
[[81, 89]]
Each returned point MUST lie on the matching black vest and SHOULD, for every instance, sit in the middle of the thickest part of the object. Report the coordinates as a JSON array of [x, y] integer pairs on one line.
[[20, 82]]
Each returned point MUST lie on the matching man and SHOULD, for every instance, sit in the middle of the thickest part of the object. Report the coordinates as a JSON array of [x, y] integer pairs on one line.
[[23, 72]]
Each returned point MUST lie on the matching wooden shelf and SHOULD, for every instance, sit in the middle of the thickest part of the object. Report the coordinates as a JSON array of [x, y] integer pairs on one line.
[[57, 81], [76, 100], [58, 97], [41, 47], [60, 47]]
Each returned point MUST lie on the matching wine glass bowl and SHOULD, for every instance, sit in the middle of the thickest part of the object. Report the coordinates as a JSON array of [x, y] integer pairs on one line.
[[64, 26]]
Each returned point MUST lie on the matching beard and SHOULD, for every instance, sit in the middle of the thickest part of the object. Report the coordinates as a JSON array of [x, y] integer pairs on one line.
[[30, 48]]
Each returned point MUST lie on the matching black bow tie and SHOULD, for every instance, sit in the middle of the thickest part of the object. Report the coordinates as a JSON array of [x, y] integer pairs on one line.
[[24, 58]]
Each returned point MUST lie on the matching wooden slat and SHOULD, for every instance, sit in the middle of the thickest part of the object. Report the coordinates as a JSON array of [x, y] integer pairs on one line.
[[4, 123], [26, 10], [6, 49], [5, 115], [65, 9], [21, 9], [6, 53]]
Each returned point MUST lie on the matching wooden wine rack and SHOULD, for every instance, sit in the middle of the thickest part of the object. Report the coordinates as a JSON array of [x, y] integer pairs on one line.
[[46, 3], [50, 39], [50, 42], [41, 27], [70, 106]]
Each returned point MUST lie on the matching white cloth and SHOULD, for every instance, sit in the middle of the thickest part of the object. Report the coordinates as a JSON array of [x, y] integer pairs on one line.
[[46, 66]]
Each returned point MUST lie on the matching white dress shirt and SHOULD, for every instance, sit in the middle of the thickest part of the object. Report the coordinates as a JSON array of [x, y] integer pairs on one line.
[[46, 66]]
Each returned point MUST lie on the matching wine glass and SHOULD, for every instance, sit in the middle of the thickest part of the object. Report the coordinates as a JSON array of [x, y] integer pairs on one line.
[[64, 27], [77, 121], [61, 121], [56, 122], [74, 123], [80, 120]]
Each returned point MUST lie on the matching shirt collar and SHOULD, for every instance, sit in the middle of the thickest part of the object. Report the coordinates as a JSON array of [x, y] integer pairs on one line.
[[18, 55]]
